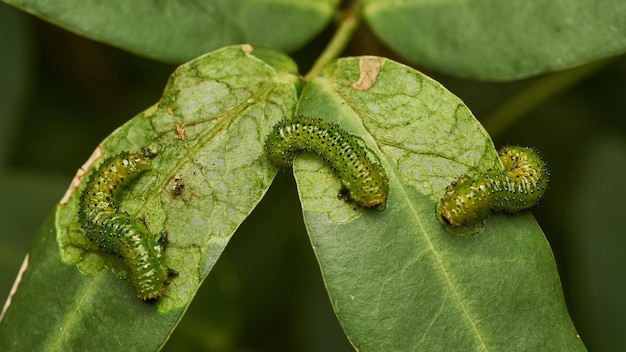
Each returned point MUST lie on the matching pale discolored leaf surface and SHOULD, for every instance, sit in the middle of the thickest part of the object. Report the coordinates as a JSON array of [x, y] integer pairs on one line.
[[209, 128], [492, 39], [177, 31], [396, 279]]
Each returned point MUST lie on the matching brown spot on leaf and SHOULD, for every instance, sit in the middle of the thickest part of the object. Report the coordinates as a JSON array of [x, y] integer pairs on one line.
[[369, 68], [247, 48], [180, 132]]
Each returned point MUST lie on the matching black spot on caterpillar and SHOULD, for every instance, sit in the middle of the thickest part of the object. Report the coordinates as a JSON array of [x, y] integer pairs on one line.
[[115, 232], [363, 178], [469, 201]]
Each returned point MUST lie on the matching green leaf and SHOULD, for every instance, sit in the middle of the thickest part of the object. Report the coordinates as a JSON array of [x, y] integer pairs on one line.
[[493, 39], [396, 279], [29, 195], [178, 31], [209, 128]]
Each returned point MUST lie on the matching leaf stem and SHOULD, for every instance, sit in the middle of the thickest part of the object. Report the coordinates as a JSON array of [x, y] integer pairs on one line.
[[350, 21], [511, 111]]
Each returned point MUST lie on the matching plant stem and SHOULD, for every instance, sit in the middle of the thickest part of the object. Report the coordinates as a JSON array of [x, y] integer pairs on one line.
[[350, 22], [534, 95]]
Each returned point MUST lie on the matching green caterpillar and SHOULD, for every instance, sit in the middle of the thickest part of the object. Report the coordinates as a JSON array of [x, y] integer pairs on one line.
[[364, 179], [117, 233], [469, 201]]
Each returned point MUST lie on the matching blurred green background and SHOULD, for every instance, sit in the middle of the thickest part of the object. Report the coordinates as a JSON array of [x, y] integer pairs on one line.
[[61, 94]]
